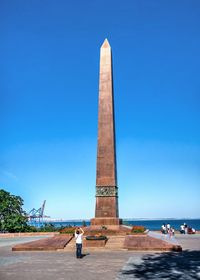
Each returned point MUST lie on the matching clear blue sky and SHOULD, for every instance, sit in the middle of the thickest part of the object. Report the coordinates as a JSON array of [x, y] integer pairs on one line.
[[49, 62]]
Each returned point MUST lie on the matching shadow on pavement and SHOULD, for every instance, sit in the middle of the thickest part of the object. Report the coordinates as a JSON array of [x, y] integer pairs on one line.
[[171, 265], [84, 255]]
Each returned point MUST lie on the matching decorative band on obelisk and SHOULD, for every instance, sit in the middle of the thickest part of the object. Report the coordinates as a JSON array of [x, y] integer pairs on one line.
[[106, 212]]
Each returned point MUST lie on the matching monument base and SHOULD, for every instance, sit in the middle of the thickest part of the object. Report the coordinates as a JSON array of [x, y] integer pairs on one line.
[[149, 243], [111, 221]]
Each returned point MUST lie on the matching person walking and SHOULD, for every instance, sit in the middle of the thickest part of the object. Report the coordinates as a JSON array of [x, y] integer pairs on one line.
[[79, 236]]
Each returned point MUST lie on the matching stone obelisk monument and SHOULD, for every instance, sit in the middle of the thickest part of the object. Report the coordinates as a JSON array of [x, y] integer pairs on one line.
[[106, 212]]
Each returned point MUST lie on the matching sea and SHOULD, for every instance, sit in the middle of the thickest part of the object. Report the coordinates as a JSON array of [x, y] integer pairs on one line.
[[148, 224]]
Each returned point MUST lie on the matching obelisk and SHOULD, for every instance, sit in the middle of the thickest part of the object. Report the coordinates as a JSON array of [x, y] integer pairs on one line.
[[106, 212]]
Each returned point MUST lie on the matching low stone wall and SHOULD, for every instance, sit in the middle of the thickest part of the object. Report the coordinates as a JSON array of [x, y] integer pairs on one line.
[[27, 234]]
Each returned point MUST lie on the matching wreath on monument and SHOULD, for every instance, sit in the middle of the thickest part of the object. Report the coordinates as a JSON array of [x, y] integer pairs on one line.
[[94, 237]]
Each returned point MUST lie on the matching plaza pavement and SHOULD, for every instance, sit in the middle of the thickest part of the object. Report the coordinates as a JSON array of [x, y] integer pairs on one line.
[[183, 265], [120, 265]]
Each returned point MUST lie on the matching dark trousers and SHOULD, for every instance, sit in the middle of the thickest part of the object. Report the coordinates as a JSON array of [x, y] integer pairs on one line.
[[78, 250]]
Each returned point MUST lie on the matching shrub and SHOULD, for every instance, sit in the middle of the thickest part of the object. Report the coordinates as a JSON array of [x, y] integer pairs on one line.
[[67, 230], [31, 229], [138, 229], [47, 228]]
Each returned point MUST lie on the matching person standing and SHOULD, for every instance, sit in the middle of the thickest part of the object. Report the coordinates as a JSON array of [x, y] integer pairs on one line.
[[168, 228], [79, 240], [182, 230], [163, 229], [186, 228], [173, 231]]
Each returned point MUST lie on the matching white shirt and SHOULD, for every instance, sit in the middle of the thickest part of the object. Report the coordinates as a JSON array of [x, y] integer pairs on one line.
[[78, 238], [168, 226]]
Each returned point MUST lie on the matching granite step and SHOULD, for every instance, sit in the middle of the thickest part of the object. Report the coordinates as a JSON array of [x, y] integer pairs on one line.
[[113, 243]]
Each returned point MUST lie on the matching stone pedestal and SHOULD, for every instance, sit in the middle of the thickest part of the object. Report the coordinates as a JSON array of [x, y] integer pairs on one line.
[[106, 222]]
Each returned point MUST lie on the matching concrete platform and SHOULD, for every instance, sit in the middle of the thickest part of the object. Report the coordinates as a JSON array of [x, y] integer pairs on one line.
[[149, 243], [47, 244]]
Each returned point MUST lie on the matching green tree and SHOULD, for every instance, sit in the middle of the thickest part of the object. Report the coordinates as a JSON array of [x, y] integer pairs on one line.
[[12, 216]]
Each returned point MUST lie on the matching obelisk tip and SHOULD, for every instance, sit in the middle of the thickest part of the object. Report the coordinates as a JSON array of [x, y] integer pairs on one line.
[[106, 44]]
